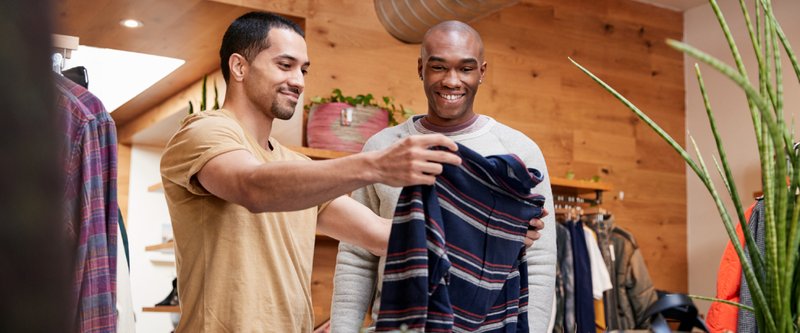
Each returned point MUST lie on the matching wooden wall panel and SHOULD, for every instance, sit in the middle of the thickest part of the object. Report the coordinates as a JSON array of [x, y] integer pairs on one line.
[[123, 179], [531, 86]]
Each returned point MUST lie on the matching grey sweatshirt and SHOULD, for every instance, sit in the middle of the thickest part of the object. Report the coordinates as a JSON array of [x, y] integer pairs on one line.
[[358, 276]]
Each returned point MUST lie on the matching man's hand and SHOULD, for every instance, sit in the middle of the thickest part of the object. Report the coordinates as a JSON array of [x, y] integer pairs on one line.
[[409, 161], [535, 225]]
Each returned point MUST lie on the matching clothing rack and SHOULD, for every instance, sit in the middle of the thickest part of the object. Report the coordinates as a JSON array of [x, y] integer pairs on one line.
[[63, 46]]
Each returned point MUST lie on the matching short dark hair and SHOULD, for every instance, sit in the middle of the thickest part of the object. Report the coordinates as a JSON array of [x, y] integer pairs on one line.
[[247, 35]]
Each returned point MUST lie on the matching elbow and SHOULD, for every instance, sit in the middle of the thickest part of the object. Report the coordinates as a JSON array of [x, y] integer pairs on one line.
[[252, 199]]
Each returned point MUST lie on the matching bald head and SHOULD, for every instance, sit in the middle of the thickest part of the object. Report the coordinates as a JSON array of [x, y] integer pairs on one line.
[[453, 31], [451, 68]]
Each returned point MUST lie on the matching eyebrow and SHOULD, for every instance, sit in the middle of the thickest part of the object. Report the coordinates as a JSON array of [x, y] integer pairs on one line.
[[465, 60], [289, 57]]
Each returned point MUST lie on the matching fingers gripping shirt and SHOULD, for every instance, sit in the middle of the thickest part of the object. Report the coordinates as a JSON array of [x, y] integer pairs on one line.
[[456, 252]]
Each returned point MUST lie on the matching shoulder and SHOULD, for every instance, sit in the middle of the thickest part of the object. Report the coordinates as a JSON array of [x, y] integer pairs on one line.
[[387, 136], [517, 142]]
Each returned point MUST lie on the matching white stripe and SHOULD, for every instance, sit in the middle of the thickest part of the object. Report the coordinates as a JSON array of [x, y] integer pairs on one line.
[[475, 281], [479, 210], [461, 258], [384, 319], [406, 259], [423, 272], [478, 225], [411, 217]]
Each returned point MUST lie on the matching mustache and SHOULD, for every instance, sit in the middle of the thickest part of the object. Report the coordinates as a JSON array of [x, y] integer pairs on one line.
[[290, 89]]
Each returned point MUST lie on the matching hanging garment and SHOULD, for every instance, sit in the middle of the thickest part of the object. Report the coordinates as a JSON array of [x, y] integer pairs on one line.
[[746, 321], [565, 283], [584, 301], [456, 257], [634, 290], [602, 226], [601, 281], [91, 220], [722, 317]]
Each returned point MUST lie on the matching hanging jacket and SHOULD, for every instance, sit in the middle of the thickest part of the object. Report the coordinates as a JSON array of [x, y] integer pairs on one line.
[[90, 205], [746, 321], [565, 283], [634, 289], [722, 317]]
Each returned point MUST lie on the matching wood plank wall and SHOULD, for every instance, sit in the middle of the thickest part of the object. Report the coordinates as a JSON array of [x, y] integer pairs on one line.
[[532, 87]]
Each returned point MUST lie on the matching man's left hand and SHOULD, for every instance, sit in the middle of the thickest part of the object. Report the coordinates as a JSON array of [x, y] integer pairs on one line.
[[535, 225]]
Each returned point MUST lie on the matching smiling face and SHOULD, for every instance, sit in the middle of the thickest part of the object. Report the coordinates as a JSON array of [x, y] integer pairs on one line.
[[276, 76], [451, 67]]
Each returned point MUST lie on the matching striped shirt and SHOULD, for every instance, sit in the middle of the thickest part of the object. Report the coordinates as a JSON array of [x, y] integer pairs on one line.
[[456, 252], [91, 211]]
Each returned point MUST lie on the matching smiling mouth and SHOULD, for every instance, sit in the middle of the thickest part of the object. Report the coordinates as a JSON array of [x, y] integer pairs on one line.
[[450, 97]]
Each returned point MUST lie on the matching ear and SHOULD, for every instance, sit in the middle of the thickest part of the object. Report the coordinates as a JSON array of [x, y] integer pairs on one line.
[[483, 70], [237, 65], [419, 67]]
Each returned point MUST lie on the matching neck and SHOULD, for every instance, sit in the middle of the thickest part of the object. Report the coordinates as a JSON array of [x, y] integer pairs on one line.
[[447, 127], [254, 121]]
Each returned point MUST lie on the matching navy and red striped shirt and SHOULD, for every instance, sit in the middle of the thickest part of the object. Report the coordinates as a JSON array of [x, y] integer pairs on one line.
[[456, 257]]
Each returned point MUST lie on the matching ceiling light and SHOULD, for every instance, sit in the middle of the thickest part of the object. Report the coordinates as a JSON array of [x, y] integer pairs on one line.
[[131, 23]]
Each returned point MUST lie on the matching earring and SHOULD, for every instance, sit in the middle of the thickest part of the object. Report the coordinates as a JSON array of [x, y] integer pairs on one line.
[[480, 81]]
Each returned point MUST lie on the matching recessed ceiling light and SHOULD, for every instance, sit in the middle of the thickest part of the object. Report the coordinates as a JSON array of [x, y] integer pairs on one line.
[[131, 23]]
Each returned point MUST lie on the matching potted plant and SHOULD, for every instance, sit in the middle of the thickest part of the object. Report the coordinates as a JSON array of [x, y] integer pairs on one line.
[[344, 123], [772, 276], [203, 97]]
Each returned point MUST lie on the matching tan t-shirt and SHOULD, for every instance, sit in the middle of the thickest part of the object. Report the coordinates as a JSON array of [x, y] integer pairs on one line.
[[237, 271]]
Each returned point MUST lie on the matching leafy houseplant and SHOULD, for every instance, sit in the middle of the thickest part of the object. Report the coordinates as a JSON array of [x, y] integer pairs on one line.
[[344, 123], [772, 275], [203, 97], [393, 112]]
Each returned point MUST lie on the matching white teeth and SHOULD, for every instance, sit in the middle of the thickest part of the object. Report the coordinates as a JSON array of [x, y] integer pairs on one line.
[[451, 97]]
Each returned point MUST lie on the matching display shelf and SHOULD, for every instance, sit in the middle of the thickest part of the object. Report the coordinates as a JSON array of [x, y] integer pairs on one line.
[[164, 308], [167, 247], [580, 188], [157, 187]]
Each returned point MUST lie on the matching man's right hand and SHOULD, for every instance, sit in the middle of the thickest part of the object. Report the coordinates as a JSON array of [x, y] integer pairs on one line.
[[409, 161]]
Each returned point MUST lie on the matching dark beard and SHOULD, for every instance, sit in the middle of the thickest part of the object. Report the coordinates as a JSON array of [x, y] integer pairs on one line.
[[282, 112]]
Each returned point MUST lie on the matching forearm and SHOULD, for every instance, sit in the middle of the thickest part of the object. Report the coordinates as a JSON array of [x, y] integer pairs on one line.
[[288, 186], [349, 221], [541, 258], [353, 287]]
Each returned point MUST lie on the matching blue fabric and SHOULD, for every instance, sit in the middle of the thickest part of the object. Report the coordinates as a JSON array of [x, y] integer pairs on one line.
[[584, 301], [456, 258]]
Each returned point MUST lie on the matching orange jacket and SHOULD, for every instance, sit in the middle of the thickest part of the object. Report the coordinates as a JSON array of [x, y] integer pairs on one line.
[[722, 317]]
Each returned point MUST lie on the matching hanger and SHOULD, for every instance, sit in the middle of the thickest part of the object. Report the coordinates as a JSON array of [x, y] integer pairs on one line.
[[63, 46]]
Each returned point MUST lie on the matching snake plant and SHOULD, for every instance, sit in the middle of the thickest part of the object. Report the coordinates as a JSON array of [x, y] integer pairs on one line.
[[772, 275]]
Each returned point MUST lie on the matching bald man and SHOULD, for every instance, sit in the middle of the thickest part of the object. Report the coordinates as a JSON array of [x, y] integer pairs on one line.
[[451, 67]]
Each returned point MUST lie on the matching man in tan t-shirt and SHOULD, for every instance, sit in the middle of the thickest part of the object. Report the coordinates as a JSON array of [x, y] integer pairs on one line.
[[244, 208]]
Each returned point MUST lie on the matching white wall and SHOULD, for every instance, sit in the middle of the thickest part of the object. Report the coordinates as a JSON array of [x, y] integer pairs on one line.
[[151, 281], [706, 234]]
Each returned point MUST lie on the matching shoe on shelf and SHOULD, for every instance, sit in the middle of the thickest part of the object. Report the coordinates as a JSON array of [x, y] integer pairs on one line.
[[172, 298]]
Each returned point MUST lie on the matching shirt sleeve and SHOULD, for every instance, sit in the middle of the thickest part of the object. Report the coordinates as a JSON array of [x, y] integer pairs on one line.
[[199, 140], [541, 256]]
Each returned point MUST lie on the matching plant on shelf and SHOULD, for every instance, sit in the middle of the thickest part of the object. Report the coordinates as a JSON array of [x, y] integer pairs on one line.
[[344, 123], [772, 272], [396, 114], [203, 97]]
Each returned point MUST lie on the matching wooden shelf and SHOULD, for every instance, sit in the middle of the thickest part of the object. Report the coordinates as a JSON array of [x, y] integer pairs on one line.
[[319, 154], [165, 308], [157, 187], [580, 186], [163, 247]]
